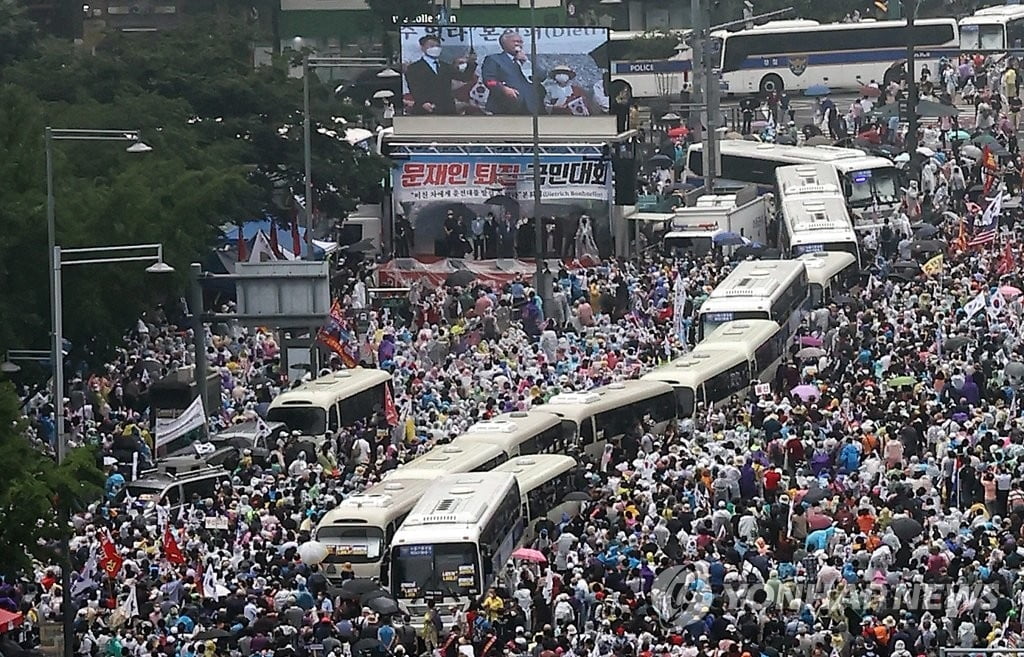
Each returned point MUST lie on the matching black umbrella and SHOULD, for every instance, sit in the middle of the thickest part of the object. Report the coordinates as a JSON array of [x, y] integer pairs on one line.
[[384, 606], [902, 275], [366, 645], [460, 278], [955, 342], [360, 585], [927, 247], [815, 495], [926, 231], [906, 528], [660, 160], [376, 593], [907, 265], [341, 592], [577, 496], [215, 633]]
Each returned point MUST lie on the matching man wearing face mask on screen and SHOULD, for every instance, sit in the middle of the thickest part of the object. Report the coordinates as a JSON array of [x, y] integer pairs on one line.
[[430, 79], [508, 76]]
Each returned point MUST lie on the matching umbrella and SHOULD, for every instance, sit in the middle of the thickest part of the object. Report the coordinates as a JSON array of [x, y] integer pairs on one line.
[[384, 605], [926, 231], [529, 554], [845, 300], [955, 342], [927, 247], [360, 585], [932, 109], [907, 529], [460, 278], [906, 264], [814, 495], [959, 135], [985, 139], [816, 521], [1009, 291], [366, 645], [927, 152], [756, 251], [215, 633], [806, 392], [732, 134], [383, 93], [810, 341], [818, 140], [339, 592], [900, 381], [818, 90], [728, 238], [577, 496], [870, 92], [362, 246], [660, 160], [356, 135], [678, 131], [671, 116], [365, 598], [810, 352]]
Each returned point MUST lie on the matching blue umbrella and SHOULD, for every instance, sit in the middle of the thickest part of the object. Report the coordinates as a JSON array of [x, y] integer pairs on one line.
[[818, 90], [728, 239]]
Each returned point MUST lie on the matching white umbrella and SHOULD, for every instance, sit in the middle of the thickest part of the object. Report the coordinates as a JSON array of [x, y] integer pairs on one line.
[[389, 72], [671, 116], [312, 552], [356, 135], [383, 93], [927, 152]]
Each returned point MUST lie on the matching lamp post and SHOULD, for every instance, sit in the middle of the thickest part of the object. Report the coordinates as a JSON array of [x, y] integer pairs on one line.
[[309, 63], [153, 253], [540, 284], [10, 362]]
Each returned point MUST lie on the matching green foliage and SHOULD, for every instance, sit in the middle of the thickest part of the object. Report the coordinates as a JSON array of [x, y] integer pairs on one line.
[[33, 488], [227, 143], [17, 32], [651, 45]]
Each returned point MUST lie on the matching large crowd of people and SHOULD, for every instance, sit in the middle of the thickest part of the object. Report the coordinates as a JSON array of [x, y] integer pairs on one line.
[[871, 505]]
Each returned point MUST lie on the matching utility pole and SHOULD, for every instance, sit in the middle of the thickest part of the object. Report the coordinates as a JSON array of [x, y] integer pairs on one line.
[[713, 109], [910, 9], [696, 117]]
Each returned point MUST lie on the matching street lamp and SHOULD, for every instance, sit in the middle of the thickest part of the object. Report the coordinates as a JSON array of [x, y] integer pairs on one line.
[[308, 63], [59, 259], [10, 363]]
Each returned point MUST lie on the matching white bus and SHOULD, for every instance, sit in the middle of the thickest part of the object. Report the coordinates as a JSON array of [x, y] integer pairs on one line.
[[323, 405], [359, 530], [993, 30], [544, 482], [870, 184], [519, 433], [829, 274], [812, 225], [759, 289], [452, 459], [651, 63], [724, 364], [457, 538], [797, 54], [596, 417]]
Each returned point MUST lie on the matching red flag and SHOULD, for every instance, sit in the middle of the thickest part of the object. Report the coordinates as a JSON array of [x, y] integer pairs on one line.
[[198, 579], [337, 336], [1006, 262], [243, 250], [171, 550], [989, 159], [390, 412], [110, 560], [273, 240]]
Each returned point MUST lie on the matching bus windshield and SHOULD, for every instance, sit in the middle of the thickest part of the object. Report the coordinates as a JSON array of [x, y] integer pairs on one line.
[[353, 544], [443, 569], [863, 188], [981, 37], [310, 420], [710, 321]]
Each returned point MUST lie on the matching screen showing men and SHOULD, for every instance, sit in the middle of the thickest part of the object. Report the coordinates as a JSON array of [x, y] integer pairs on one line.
[[467, 71]]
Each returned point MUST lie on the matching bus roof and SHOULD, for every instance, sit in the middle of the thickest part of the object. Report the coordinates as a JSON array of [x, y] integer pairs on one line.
[[826, 213], [823, 265], [378, 504], [843, 159], [518, 423], [798, 25], [463, 500], [989, 15], [750, 333], [329, 388], [450, 459], [577, 406], [704, 362], [754, 278], [532, 471], [808, 179]]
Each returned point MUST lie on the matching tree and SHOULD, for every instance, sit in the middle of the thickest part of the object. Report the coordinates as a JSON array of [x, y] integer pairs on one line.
[[227, 143], [17, 32], [33, 491]]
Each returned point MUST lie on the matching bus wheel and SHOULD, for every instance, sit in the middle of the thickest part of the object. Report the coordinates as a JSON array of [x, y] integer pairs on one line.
[[771, 83]]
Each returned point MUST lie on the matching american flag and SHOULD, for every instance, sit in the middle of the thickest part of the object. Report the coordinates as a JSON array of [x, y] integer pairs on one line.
[[985, 228]]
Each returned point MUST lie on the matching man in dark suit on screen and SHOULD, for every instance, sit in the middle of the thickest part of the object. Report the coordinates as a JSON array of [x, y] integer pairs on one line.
[[430, 80], [508, 76]]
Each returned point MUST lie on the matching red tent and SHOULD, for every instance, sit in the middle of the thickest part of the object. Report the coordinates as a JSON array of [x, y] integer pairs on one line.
[[9, 620]]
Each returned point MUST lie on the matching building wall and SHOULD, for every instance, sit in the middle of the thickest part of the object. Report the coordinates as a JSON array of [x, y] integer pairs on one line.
[[134, 15]]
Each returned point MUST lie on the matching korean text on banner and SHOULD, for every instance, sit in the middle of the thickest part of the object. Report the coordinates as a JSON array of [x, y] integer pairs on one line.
[[478, 179], [193, 418]]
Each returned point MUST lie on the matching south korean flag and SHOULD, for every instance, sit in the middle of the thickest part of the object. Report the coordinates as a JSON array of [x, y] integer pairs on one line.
[[578, 107]]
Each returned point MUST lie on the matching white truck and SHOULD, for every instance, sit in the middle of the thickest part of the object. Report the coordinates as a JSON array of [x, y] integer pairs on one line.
[[716, 220]]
